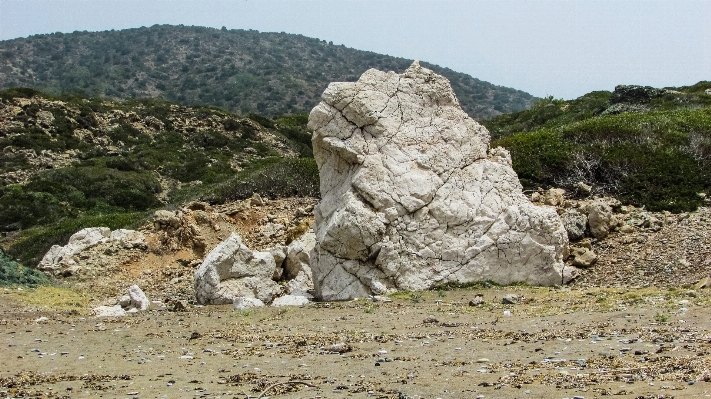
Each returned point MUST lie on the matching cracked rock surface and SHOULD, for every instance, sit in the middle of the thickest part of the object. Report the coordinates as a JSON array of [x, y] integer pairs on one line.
[[413, 197]]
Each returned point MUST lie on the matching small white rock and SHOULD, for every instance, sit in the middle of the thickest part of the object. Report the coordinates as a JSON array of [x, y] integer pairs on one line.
[[242, 303], [290, 300]]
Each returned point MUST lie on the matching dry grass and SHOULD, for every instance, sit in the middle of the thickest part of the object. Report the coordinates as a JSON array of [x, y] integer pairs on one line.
[[50, 298]]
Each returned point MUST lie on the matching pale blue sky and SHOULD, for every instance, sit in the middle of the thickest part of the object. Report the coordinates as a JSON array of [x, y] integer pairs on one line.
[[545, 47]]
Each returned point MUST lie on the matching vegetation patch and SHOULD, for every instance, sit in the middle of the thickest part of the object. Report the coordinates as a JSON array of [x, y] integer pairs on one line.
[[272, 178], [13, 273], [659, 159], [52, 298]]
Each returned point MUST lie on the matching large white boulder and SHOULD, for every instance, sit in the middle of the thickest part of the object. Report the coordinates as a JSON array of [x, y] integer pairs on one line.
[[232, 270], [413, 197]]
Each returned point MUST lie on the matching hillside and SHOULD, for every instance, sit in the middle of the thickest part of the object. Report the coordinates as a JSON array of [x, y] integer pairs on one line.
[[648, 147], [70, 162], [242, 71]]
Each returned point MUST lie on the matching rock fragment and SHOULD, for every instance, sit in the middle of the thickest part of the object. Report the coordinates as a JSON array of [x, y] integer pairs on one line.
[[583, 257], [138, 299], [290, 300], [109, 311], [510, 299], [243, 303], [600, 219], [575, 224], [232, 270]]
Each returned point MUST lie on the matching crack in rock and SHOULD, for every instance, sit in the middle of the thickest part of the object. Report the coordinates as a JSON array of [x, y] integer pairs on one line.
[[412, 195]]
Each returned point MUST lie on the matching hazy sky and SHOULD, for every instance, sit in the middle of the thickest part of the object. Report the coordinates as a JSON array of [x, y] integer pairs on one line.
[[548, 47]]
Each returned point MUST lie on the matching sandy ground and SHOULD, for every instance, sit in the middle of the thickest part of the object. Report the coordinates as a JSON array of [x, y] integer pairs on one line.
[[556, 343]]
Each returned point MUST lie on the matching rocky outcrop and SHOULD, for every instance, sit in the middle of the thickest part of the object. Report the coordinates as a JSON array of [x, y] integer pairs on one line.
[[412, 196], [232, 270], [62, 261]]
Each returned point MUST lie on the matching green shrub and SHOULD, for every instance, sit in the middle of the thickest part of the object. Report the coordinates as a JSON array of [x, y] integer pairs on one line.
[[13, 273], [272, 178], [660, 159], [53, 195]]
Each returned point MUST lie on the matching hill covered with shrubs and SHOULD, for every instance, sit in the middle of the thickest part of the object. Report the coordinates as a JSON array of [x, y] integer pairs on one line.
[[648, 147], [242, 71], [70, 162]]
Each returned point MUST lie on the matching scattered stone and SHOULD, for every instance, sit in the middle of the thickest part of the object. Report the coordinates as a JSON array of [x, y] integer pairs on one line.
[[125, 301], [430, 320], [242, 303], [627, 229], [510, 299], [290, 300], [109, 311], [412, 195], [256, 200], [583, 257], [554, 197], [138, 298], [339, 347], [478, 300], [599, 219], [575, 224]]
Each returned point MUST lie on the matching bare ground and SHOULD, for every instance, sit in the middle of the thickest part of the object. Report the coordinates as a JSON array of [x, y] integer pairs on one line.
[[557, 343]]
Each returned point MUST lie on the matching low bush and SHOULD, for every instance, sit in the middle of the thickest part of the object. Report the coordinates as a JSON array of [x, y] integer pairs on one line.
[[272, 178], [13, 273], [660, 160]]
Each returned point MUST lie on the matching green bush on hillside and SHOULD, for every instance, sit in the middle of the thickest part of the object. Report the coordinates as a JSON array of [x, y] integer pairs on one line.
[[659, 159], [13, 273], [272, 178], [55, 194]]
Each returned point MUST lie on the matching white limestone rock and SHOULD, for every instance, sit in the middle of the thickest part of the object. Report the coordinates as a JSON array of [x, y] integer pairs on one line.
[[290, 300], [297, 267], [109, 311], [128, 239], [138, 299], [412, 196], [232, 270], [243, 303], [60, 260]]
